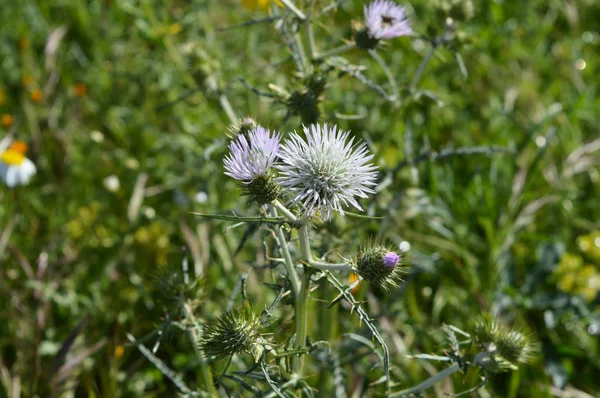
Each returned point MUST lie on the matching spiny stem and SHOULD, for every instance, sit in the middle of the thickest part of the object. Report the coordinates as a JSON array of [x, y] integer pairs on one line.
[[302, 300]]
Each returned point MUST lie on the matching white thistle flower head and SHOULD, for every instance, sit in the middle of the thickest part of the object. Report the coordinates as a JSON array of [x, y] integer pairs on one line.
[[253, 155], [327, 171]]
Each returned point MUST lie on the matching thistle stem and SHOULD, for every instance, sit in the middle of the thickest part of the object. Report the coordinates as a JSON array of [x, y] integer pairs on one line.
[[429, 382], [479, 358], [388, 73], [336, 51], [290, 216], [287, 257], [290, 6], [302, 300], [312, 48], [330, 267]]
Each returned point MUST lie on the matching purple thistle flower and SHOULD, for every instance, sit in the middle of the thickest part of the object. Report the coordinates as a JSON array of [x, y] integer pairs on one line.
[[390, 259], [252, 156], [326, 171], [386, 20]]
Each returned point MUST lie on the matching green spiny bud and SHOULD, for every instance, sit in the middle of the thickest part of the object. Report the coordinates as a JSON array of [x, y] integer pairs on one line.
[[263, 189], [380, 265], [236, 331], [506, 346], [305, 104], [515, 347], [242, 127]]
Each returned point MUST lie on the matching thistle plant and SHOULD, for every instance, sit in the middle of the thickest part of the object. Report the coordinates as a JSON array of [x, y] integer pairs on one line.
[[301, 177]]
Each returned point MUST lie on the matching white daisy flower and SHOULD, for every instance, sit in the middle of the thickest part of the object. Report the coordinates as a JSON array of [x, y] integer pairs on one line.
[[327, 171], [15, 168]]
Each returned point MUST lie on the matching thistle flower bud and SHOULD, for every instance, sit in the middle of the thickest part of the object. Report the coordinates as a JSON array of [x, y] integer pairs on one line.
[[506, 346], [242, 126], [235, 332], [305, 101], [263, 189], [380, 266]]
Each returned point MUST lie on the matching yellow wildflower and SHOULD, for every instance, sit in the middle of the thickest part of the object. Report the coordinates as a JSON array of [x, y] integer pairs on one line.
[[263, 5]]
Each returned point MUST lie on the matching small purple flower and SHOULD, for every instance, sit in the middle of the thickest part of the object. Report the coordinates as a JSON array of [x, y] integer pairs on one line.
[[390, 259], [386, 20], [252, 156]]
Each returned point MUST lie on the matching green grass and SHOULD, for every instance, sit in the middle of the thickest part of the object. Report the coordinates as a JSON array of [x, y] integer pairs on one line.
[[82, 266]]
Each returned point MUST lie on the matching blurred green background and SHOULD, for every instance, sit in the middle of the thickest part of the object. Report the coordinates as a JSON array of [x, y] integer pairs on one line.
[[120, 103]]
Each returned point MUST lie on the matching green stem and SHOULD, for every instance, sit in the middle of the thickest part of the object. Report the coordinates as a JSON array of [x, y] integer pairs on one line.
[[287, 257], [290, 6], [306, 66], [290, 216], [302, 300], [304, 243], [312, 48], [388, 73], [194, 336], [419, 388], [421, 69], [336, 51], [429, 382], [330, 267]]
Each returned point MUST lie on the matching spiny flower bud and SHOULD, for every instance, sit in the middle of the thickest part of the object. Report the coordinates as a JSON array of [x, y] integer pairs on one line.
[[506, 346], [363, 39], [380, 266], [305, 101], [486, 330], [263, 189], [235, 332], [242, 126]]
